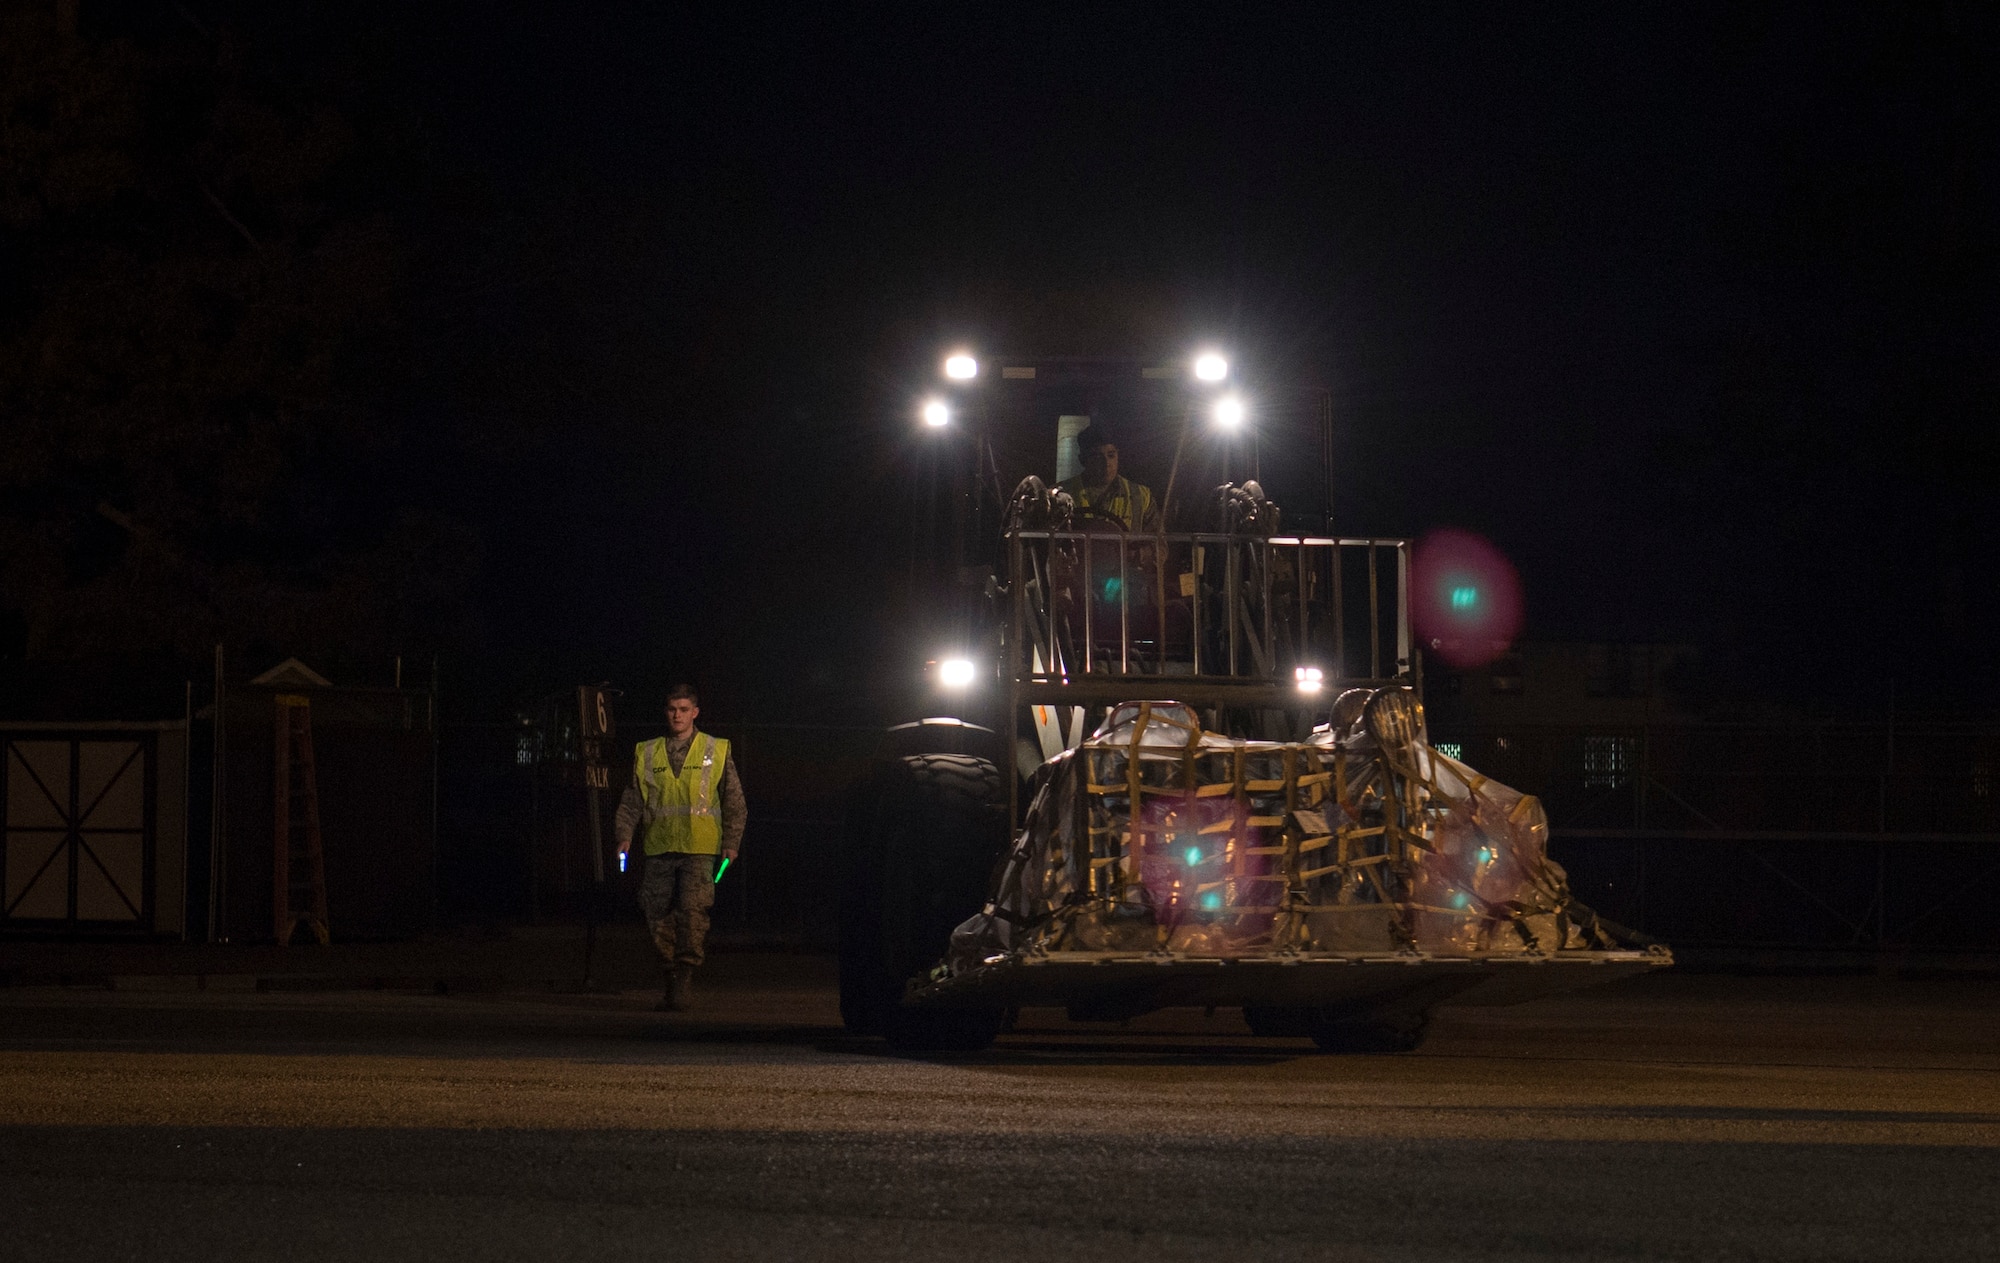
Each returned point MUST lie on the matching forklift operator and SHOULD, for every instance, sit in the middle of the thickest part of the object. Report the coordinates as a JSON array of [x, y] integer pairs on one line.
[[1102, 490]]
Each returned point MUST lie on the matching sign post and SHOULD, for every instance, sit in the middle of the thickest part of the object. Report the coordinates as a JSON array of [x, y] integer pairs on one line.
[[594, 730], [595, 727]]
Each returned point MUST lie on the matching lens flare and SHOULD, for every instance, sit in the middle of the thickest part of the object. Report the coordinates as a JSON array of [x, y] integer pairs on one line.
[[1465, 598]]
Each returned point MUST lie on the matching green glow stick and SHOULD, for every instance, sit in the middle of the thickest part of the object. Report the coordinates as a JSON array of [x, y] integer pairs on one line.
[[723, 868]]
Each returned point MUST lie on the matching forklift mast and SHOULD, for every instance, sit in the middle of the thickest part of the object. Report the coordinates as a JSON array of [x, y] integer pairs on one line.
[[1039, 617]]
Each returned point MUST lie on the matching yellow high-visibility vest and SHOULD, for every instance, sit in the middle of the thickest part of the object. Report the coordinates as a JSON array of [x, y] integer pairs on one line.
[[681, 809], [1130, 502]]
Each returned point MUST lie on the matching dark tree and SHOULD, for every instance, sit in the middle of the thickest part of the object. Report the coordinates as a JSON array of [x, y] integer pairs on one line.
[[200, 349]]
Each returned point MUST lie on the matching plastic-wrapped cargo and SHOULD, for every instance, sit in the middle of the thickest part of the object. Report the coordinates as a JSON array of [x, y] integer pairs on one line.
[[1157, 836]]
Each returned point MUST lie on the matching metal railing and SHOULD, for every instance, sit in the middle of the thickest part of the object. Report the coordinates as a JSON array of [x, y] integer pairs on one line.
[[1228, 618]]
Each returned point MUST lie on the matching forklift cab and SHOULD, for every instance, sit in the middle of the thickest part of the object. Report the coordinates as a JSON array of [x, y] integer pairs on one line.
[[1039, 602]]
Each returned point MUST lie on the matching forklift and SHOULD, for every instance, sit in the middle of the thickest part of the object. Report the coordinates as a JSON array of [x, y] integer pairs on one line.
[[1177, 756]]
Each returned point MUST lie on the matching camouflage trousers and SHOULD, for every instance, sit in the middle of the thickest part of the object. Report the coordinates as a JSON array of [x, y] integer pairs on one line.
[[676, 894]]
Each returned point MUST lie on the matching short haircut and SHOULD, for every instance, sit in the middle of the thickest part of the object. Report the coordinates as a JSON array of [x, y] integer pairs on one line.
[[680, 692]]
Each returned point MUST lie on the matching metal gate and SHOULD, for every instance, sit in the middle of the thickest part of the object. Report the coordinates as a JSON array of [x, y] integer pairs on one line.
[[94, 837]]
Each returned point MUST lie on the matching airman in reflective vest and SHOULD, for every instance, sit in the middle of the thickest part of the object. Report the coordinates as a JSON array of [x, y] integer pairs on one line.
[[685, 808]]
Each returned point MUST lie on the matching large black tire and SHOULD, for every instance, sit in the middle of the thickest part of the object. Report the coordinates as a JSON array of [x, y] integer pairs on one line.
[[924, 835]]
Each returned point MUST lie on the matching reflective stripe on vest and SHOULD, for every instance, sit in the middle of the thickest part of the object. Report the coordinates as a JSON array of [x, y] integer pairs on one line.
[[681, 813]]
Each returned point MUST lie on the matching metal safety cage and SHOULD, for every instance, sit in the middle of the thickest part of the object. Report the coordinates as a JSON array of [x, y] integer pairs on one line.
[[1211, 619]]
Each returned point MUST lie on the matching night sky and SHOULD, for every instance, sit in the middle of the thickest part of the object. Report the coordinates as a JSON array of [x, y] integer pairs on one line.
[[1688, 308]]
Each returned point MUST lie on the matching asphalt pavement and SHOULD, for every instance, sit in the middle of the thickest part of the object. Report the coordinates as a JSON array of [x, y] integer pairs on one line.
[[1677, 1116]]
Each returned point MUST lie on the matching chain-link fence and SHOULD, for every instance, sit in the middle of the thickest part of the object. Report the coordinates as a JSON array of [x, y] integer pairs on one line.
[[1819, 836]]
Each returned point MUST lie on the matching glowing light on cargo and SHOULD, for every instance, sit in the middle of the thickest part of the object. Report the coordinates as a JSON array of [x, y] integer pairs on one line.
[[1194, 855], [1211, 901]]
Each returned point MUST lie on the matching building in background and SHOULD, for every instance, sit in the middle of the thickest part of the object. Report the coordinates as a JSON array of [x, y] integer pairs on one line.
[[1784, 829]]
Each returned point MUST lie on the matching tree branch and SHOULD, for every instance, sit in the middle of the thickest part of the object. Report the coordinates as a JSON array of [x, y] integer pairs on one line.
[[223, 211]]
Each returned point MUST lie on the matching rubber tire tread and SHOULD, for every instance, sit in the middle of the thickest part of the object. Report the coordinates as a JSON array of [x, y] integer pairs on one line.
[[924, 834]]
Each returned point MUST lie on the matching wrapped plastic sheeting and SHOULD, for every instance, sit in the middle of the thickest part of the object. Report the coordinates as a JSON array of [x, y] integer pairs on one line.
[[1156, 836]]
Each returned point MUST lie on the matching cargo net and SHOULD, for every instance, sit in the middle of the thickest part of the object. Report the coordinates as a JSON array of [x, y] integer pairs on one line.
[[1156, 836]]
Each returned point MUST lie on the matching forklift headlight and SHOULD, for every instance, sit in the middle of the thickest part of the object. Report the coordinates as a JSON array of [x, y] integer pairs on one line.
[[1229, 413], [961, 367], [936, 414], [1308, 679], [955, 673], [1210, 367]]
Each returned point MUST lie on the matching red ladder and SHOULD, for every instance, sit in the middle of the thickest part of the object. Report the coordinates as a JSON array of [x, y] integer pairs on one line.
[[295, 755]]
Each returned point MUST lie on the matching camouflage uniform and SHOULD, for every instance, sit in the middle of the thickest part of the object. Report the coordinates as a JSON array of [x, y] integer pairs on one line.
[[678, 889]]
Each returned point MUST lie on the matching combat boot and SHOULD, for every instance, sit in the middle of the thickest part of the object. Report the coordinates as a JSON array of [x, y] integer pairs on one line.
[[680, 991], [666, 1004]]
